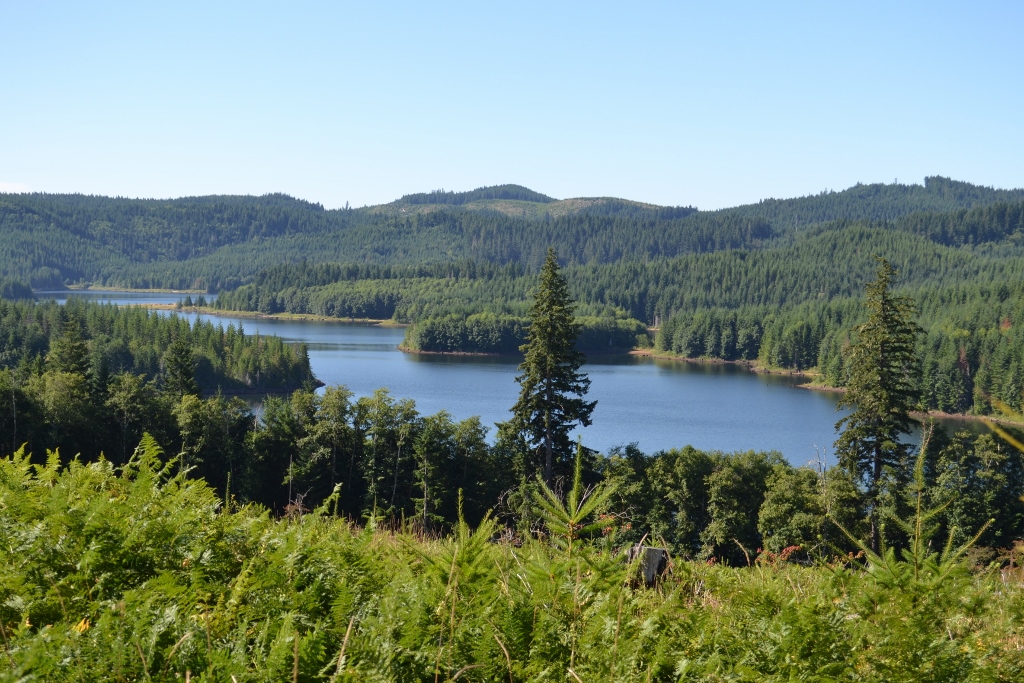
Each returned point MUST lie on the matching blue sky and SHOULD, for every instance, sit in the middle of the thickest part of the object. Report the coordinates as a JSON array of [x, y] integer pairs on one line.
[[710, 104]]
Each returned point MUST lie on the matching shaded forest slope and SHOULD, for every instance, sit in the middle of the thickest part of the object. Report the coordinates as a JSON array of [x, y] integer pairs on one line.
[[221, 242]]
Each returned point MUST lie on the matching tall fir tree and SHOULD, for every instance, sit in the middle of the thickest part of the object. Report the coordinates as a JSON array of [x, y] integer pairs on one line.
[[551, 397], [882, 390], [180, 367], [70, 352]]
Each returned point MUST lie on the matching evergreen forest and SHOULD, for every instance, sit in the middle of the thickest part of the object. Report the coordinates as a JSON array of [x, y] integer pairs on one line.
[[221, 242]]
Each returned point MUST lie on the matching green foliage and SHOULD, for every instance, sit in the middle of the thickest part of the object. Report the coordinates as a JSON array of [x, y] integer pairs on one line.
[[882, 390], [971, 347], [87, 338], [215, 243], [131, 401], [832, 260], [515, 192], [552, 388], [14, 290], [179, 372], [792, 514], [479, 333], [213, 434], [735, 494], [789, 304], [664, 495], [68, 352], [570, 520], [486, 333], [434, 449], [327, 446], [972, 480], [298, 452], [62, 399], [798, 504], [922, 570], [140, 573], [376, 455]]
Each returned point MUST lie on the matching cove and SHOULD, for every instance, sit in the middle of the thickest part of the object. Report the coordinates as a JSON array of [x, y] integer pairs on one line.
[[657, 404]]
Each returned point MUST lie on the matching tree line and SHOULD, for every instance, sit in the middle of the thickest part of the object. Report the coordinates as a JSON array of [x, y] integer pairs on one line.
[[970, 352], [158, 564], [91, 378], [221, 242], [791, 307], [392, 462], [504, 334], [513, 192], [828, 261]]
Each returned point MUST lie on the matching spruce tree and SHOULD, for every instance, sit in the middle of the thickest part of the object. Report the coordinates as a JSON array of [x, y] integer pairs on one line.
[[180, 367], [551, 397], [882, 389], [69, 352]]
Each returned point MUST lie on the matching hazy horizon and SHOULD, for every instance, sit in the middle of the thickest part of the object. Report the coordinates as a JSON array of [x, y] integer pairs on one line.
[[4, 190], [670, 104]]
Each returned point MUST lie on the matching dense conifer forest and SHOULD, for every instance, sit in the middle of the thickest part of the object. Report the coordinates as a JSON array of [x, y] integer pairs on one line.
[[215, 243]]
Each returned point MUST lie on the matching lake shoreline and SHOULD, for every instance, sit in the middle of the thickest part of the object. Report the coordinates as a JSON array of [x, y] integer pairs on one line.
[[246, 393], [487, 354], [810, 385], [491, 354], [752, 366], [256, 315], [104, 288]]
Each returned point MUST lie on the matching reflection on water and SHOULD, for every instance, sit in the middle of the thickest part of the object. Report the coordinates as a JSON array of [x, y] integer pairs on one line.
[[657, 404]]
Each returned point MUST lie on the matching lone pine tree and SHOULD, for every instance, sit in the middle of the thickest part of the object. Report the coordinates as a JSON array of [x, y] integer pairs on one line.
[[882, 389], [551, 397]]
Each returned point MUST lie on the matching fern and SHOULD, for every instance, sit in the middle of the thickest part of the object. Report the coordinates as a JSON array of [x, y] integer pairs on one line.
[[139, 574]]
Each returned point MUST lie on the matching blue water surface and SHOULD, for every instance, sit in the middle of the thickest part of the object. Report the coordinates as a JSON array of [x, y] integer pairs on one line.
[[657, 404]]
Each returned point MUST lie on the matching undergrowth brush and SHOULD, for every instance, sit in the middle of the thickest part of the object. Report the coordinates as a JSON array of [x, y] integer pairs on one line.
[[143, 574]]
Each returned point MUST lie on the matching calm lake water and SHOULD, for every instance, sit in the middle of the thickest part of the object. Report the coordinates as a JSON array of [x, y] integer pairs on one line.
[[656, 404]]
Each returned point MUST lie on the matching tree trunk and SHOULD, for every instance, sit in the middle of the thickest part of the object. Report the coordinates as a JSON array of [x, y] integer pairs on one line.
[[424, 493], [548, 456], [548, 451], [876, 476]]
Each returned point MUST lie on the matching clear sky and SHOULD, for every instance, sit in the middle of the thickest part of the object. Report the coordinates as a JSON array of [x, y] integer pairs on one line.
[[709, 104]]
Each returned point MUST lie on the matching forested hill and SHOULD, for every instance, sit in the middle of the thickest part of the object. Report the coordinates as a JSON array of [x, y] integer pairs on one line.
[[221, 242], [514, 192], [876, 202]]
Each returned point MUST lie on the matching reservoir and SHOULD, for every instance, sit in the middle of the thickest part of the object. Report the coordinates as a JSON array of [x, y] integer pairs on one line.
[[657, 404]]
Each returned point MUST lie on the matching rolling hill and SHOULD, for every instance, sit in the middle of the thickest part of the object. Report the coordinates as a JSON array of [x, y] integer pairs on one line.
[[221, 242]]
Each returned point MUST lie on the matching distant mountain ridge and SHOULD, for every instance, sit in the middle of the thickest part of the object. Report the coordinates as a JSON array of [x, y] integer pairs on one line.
[[883, 202], [217, 242]]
